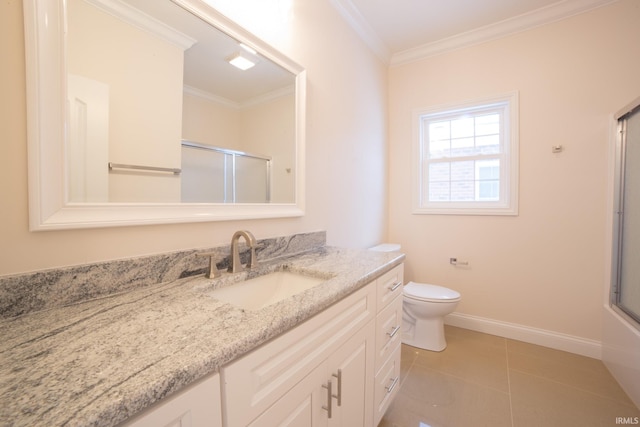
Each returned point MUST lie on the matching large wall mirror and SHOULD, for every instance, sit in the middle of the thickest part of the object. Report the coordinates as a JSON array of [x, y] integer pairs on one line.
[[157, 111]]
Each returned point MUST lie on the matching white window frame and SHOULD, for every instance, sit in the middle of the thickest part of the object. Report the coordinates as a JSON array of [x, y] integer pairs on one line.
[[508, 202]]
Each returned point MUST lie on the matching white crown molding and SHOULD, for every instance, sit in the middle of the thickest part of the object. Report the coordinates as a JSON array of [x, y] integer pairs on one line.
[[190, 90], [252, 102], [355, 19], [268, 97], [536, 18], [141, 20]]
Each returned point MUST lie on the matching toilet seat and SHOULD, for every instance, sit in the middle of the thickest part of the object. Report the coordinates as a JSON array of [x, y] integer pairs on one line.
[[430, 293]]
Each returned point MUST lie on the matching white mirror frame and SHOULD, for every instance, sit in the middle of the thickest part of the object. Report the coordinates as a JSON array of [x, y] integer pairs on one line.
[[45, 25]]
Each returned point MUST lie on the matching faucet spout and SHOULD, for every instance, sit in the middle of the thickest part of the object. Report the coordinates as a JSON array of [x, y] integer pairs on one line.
[[236, 264]]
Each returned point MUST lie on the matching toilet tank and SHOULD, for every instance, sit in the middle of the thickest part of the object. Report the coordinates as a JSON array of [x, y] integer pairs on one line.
[[386, 247]]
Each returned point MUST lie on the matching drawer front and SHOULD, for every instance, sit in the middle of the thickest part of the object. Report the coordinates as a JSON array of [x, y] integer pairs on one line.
[[388, 331], [386, 385], [257, 380], [390, 286]]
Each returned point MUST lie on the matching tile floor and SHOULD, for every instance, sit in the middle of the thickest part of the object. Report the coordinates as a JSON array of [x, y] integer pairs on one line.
[[485, 380]]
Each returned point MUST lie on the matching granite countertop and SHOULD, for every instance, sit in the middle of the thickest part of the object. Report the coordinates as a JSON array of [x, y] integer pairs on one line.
[[99, 362]]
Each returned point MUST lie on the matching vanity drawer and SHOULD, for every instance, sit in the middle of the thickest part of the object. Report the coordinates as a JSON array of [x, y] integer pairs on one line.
[[388, 333], [387, 384], [254, 382], [390, 286]]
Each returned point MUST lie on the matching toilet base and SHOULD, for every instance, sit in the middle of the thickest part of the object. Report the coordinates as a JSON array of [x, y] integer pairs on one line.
[[427, 334]]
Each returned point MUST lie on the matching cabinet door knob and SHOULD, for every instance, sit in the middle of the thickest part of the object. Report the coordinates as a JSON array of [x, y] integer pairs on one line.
[[329, 398], [339, 395]]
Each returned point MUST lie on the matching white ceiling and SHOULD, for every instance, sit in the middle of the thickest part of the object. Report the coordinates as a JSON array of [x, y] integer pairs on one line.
[[404, 30], [207, 72]]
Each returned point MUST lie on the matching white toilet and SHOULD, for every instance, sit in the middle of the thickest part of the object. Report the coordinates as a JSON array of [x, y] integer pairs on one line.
[[423, 309]]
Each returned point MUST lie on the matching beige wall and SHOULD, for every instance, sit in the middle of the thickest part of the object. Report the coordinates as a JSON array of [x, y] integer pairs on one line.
[[209, 122], [346, 150], [546, 267], [269, 128]]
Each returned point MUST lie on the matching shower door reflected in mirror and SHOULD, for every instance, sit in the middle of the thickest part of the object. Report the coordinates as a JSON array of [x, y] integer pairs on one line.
[[218, 175]]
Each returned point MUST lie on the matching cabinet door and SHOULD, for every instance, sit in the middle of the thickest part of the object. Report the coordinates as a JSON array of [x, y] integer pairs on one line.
[[351, 373], [302, 406], [197, 405]]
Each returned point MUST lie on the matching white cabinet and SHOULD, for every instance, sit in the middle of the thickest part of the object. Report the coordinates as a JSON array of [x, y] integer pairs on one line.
[[386, 385], [198, 405], [281, 383], [351, 370], [388, 324], [339, 368], [390, 286], [300, 406], [335, 393]]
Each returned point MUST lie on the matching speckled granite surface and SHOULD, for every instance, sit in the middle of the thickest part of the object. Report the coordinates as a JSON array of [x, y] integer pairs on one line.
[[42, 290], [99, 362]]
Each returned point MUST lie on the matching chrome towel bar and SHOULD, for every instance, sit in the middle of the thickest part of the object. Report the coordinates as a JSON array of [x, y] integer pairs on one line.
[[175, 171]]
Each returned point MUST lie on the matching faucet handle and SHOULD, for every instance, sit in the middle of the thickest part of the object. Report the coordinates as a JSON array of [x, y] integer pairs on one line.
[[212, 271], [253, 261]]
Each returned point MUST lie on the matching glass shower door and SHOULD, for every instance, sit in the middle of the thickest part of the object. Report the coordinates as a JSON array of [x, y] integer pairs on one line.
[[627, 290], [205, 175], [251, 180], [220, 175]]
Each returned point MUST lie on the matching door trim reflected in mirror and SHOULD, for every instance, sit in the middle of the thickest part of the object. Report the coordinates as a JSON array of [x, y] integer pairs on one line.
[[46, 69]]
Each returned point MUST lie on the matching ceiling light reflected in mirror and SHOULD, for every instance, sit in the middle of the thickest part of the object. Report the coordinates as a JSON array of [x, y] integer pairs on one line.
[[241, 61]]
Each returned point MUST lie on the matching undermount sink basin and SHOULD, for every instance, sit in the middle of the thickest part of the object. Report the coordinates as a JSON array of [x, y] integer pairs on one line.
[[261, 291]]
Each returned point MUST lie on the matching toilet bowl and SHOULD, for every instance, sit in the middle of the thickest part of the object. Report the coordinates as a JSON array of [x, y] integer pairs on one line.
[[423, 309]]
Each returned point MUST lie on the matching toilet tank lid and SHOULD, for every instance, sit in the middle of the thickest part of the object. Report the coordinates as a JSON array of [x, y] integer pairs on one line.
[[386, 247], [430, 292]]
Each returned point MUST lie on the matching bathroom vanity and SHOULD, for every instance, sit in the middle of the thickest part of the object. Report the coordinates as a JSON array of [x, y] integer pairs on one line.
[[339, 367], [173, 355]]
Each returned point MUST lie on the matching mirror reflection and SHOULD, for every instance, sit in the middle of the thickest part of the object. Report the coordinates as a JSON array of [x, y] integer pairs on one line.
[[159, 114]]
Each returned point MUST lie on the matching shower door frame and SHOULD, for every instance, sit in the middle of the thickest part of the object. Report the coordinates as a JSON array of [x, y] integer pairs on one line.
[[618, 218]]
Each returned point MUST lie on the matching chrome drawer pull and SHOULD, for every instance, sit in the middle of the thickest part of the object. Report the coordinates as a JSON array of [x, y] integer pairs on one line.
[[393, 385], [329, 394], [395, 286], [339, 396], [393, 332]]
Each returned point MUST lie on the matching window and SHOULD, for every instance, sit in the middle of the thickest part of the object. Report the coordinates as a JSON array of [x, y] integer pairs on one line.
[[467, 158]]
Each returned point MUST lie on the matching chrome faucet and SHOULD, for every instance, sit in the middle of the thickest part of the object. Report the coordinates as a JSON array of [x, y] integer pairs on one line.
[[236, 264]]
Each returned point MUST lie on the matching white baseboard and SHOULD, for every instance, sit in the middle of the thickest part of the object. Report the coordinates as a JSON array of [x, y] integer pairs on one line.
[[556, 340]]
